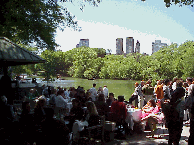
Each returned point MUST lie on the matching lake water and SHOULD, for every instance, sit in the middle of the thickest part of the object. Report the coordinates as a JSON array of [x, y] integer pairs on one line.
[[118, 87]]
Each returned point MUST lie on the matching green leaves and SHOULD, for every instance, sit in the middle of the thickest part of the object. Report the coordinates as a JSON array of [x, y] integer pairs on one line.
[[85, 62]]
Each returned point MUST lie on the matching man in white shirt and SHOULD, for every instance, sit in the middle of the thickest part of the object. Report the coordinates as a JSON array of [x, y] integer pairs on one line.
[[174, 84], [93, 92], [105, 92], [60, 101], [166, 89], [189, 81]]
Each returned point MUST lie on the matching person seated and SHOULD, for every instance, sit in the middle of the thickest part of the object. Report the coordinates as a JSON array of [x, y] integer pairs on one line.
[[61, 103], [72, 92], [45, 91], [8, 124], [76, 113], [39, 112], [119, 113], [87, 97], [154, 117], [110, 99], [26, 122], [92, 116], [80, 96], [55, 131], [148, 108], [76, 110], [155, 111], [101, 106], [26, 116], [31, 96], [92, 119], [7, 112], [52, 101]]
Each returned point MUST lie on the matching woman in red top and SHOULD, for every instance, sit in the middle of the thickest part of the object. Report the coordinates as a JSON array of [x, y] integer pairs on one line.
[[119, 108]]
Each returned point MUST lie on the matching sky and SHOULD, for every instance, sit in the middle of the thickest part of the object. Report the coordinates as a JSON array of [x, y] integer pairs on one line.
[[144, 21]]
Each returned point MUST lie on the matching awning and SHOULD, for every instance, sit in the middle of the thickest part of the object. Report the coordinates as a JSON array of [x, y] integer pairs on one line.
[[11, 54]]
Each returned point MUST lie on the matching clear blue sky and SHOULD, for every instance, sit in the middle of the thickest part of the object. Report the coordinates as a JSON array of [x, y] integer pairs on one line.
[[145, 21]]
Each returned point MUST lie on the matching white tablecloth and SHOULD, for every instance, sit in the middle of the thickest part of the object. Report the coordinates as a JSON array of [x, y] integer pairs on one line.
[[133, 115]]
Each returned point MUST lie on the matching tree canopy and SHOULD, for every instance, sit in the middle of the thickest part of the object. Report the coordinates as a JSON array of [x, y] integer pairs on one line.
[[37, 20], [168, 3], [84, 62]]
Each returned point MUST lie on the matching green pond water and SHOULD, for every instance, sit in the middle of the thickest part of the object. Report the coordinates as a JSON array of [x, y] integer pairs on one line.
[[118, 87]]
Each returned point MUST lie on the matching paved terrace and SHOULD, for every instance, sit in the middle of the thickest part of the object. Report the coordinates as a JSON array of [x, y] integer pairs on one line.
[[143, 139]]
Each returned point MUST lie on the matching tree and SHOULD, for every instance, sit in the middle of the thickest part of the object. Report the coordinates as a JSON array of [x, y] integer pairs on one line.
[[86, 62], [168, 3], [36, 20]]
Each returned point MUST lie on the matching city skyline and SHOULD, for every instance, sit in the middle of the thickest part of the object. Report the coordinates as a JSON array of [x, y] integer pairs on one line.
[[157, 45], [149, 21], [129, 45]]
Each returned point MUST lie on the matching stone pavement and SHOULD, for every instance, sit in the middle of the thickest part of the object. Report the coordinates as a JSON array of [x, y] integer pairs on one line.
[[160, 138]]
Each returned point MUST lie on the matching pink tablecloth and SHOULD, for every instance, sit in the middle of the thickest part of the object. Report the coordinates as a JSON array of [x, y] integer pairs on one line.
[[133, 115]]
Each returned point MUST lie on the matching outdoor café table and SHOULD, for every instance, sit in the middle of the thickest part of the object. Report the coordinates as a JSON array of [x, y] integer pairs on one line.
[[133, 115]]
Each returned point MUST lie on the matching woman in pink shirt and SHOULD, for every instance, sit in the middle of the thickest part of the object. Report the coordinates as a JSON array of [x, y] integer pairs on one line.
[[154, 117], [148, 108]]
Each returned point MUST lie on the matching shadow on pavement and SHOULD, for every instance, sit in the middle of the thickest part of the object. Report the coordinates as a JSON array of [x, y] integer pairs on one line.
[[160, 138]]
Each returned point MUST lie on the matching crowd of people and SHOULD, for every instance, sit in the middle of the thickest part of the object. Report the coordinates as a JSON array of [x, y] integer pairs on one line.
[[169, 102], [38, 122]]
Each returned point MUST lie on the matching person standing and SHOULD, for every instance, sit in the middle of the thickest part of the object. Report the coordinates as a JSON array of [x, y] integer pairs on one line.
[[189, 104], [105, 91], [134, 96], [93, 92], [189, 91], [159, 90], [110, 99], [174, 83], [100, 91], [166, 89], [176, 114], [140, 95], [189, 81]]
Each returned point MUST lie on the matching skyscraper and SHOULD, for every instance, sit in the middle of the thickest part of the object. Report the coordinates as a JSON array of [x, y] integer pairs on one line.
[[129, 45], [157, 45], [119, 46], [137, 48], [84, 42]]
